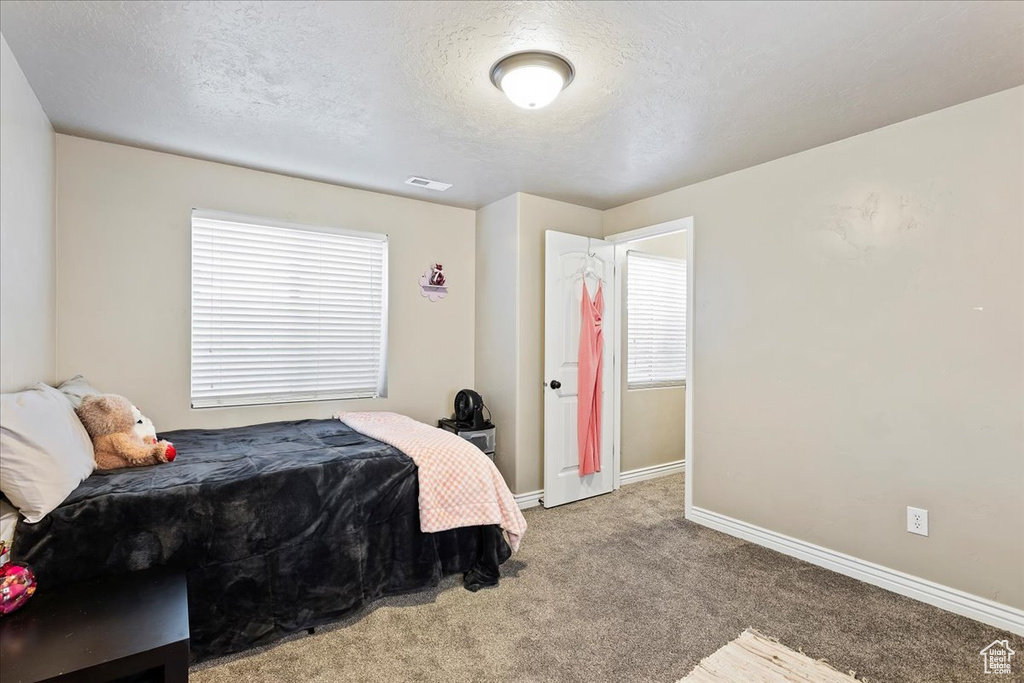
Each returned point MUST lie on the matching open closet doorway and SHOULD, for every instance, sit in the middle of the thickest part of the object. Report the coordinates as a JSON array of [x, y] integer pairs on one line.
[[646, 406], [653, 332]]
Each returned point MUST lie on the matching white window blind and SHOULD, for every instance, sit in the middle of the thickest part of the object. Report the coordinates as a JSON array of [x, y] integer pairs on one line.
[[656, 320], [284, 313]]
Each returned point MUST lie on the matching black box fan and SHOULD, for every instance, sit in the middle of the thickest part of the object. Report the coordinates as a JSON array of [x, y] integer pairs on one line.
[[469, 410]]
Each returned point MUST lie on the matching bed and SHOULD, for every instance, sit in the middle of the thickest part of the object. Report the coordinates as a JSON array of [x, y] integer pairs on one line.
[[280, 527]]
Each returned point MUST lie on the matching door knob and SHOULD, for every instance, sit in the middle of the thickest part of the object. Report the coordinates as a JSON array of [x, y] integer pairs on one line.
[[555, 384]]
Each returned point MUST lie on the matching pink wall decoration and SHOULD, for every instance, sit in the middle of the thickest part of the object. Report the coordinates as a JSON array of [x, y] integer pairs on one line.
[[432, 283]]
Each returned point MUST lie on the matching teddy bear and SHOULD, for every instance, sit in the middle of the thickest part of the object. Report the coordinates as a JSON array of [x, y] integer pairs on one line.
[[121, 435]]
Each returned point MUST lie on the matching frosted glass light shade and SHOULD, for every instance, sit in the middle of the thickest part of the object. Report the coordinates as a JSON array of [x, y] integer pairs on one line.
[[532, 87], [532, 80]]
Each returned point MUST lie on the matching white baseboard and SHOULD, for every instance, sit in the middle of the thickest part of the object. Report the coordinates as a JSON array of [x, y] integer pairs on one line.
[[528, 500], [652, 472], [532, 499], [950, 599]]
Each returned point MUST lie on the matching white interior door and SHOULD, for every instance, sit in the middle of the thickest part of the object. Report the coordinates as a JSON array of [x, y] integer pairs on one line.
[[563, 292]]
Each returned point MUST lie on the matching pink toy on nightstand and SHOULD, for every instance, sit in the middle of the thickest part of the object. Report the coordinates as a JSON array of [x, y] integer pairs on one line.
[[17, 584]]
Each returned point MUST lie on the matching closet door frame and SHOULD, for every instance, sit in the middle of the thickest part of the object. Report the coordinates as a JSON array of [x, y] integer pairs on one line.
[[621, 241]]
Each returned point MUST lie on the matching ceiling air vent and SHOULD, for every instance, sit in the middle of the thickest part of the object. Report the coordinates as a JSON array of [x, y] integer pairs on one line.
[[428, 184]]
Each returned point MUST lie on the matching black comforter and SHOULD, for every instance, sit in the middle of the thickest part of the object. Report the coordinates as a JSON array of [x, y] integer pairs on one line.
[[280, 527]]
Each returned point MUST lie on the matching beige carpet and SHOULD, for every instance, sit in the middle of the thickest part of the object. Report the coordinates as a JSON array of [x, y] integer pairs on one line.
[[753, 658], [623, 588]]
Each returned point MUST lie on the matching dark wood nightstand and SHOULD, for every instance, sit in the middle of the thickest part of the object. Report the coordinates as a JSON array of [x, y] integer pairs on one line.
[[100, 630]]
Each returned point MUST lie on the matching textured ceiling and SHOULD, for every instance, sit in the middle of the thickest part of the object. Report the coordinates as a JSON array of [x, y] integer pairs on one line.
[[367, 93]]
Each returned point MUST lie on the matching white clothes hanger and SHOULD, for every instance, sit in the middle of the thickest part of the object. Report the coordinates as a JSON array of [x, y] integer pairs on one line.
[[588, 266]]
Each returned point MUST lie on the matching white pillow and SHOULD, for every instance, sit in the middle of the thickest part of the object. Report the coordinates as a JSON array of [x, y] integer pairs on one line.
[[45, 452], [76, 389]]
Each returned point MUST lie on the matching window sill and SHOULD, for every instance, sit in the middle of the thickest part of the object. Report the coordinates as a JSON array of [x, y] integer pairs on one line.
[[649, 387], [257, 402]]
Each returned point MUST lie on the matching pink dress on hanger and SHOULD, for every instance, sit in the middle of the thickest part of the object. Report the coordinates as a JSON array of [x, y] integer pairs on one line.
[[588, 413]]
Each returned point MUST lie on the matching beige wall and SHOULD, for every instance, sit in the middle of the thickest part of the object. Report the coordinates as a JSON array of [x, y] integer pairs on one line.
[[510, 339], [123, 292], [27, 232], [510, 327], [537, 215], [860, 343], [497, 319], [653, 423]]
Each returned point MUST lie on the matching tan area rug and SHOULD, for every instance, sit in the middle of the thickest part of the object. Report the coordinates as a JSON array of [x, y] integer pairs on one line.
[[754, 658]]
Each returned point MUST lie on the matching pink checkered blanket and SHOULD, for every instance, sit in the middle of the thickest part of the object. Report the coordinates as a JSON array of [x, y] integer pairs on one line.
[[459, 485]]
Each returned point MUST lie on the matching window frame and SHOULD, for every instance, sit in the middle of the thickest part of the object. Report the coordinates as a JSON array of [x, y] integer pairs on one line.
[[261, 221]]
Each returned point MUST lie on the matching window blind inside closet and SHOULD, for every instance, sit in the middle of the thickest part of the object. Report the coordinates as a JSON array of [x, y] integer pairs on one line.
[[656, 320]]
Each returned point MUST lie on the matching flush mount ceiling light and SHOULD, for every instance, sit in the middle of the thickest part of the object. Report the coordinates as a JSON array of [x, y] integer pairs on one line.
[[532, 79]]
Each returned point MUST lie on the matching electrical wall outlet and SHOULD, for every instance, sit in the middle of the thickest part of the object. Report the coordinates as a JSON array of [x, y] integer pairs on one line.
[[917, 521]]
